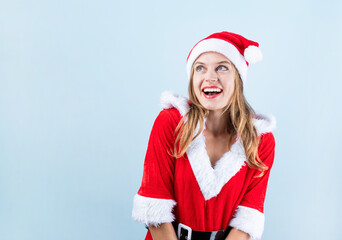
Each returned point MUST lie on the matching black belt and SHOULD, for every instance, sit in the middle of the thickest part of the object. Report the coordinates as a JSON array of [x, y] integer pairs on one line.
[[186, 233]]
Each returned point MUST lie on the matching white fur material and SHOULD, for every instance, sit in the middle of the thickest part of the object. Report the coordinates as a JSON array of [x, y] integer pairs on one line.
[[170, 100], [248, 220], [220, 46], [253, 54], [212, 179], [264, 123], [152, 211]]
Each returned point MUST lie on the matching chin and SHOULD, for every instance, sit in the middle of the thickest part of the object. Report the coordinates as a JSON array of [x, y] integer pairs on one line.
[[212, 108]]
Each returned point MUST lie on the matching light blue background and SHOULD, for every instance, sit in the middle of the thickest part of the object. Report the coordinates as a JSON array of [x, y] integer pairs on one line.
[[80, 83]]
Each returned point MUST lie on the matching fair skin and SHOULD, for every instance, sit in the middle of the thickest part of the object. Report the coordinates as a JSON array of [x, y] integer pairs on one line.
[[166, 232], [212, 70]]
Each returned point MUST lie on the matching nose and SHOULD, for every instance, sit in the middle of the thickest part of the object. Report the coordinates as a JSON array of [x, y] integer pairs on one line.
[[211, 75]]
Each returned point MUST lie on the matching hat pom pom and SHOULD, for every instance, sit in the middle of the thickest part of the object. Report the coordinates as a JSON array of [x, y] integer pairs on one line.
[[253, 54]]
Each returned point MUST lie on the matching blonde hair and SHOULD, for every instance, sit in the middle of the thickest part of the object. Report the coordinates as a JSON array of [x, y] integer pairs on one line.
[[240, 115]]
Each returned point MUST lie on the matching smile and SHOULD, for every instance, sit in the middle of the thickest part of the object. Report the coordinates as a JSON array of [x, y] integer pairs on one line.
[[211, 92]]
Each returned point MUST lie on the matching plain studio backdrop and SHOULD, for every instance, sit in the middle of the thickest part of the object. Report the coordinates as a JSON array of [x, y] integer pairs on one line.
[[80, 83]]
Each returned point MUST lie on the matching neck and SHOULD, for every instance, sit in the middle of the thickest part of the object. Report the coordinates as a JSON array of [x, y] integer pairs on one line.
[[217, 123]]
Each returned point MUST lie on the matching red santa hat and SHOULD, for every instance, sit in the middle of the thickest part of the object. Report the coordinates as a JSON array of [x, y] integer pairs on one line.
[[239, 50]]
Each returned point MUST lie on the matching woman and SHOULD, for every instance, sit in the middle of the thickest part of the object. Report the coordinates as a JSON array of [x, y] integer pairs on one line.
[[209, 157]]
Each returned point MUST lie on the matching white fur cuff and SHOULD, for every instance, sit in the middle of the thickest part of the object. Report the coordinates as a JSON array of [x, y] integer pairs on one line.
[[152, 211], [248, 220]]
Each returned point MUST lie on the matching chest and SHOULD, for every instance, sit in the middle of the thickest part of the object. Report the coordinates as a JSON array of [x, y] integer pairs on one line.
[[216, 147], [210, 179], [207, 194]]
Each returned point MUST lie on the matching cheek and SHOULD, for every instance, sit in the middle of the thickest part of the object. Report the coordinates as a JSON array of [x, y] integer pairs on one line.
[[196, 88], [230, 85], [196, 84], [231, 90]]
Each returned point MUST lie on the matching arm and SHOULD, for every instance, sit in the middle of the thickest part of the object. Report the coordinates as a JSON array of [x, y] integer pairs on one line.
[[164, 232], [154, 202], [249, 215], [236, 234]]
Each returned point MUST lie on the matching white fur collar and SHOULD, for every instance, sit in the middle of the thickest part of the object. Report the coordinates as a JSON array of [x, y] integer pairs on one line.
[[263, 123], [212, 179]]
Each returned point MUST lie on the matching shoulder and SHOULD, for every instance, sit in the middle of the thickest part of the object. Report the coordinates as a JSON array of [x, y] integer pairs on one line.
[[173, 108], [266, 148], [179, 105], [267, 141], [170, 100], [264, 123], [167, 118]]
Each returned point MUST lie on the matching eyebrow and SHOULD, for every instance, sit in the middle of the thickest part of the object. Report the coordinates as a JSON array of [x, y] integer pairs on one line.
[[216, 63]]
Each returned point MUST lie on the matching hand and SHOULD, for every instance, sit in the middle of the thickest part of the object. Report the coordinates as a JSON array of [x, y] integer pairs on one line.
[[165, 231], [236, 234]]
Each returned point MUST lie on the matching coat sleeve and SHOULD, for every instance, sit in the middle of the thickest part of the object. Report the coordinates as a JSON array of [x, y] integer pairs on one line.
[[249, 215], [154, 202]]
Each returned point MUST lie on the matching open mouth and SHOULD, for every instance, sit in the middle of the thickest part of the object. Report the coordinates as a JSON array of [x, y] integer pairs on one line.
[[211, 91]]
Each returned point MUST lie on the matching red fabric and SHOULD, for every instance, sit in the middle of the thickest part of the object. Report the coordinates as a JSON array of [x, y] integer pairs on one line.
[[159, 166], [165, 177], [240, 42]]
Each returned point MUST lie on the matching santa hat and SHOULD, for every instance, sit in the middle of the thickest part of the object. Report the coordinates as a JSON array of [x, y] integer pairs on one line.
[[239, 50]]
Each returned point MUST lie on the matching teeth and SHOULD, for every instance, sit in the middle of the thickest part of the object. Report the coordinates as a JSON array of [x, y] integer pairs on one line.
[[212, 90]]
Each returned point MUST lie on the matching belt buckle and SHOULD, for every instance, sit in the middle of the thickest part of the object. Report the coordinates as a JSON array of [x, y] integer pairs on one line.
[[189, 231]]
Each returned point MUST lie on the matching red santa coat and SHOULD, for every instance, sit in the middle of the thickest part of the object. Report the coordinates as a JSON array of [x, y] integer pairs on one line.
[[191, 191]]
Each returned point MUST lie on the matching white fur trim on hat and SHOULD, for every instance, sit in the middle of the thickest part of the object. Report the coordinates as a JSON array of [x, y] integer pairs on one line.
[[253, 54], [248, 220], [221, 46], [152, 211]]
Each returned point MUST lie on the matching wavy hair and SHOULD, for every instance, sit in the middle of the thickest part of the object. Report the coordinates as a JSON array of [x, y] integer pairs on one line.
[[239, 122]]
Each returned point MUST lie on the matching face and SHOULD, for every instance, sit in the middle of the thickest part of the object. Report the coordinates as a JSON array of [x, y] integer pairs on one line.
[[213, 80]]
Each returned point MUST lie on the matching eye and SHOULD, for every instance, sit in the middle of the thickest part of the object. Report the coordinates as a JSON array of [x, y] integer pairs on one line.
[[222, 68], [199, 68]]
